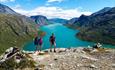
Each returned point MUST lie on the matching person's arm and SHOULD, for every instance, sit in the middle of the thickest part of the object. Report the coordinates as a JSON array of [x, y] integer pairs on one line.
[[55, 39]]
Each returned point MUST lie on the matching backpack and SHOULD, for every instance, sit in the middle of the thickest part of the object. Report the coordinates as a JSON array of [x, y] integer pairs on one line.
[[40, 41], [36, 40], [52, 38]]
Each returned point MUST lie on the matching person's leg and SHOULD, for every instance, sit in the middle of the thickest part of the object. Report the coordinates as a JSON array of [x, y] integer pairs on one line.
[[40, 47], [54, 47], [36, 48], [50, 47]]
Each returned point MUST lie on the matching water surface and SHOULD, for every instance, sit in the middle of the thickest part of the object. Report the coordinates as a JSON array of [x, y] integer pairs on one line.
[[65, 38]]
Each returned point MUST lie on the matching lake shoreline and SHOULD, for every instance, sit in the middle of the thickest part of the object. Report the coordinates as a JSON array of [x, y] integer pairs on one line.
[[67, 35], [77, 35]]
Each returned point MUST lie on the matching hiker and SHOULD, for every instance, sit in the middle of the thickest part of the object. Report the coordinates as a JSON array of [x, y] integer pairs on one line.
[[98, 45], [36, 43], [40, 41], [52, 42]]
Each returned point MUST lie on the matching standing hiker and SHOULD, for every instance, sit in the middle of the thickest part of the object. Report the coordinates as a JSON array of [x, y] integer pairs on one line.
[[52, 42], [38, 43]]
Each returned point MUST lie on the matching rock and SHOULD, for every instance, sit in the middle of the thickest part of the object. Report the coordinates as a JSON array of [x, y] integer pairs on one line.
[[93, 51], [113, 65], [38, 69], [61, 50], [41, 53], [18, 58], [79, 65], [74, 50], [50, 65], [87, 50], [93, 66], [90, 58], [14, 58], [9, 53], [55, 59], [70, 60]]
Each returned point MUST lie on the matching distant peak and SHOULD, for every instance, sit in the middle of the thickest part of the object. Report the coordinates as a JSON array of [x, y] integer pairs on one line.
[[6, 10], [82, 16], [105, 9]]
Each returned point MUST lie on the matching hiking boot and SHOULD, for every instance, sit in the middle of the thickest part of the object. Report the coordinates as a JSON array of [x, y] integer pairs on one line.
[[50, 50], [54, 50]]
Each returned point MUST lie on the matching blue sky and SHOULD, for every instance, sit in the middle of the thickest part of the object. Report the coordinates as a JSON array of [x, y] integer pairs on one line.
[[58, 8]]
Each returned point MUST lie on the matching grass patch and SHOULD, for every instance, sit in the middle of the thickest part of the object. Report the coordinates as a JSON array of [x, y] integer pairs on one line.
[[14, 31]]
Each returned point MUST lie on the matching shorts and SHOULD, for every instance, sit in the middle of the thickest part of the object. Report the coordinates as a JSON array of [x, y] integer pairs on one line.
[[35, 43], [40, 44], [53, 43]]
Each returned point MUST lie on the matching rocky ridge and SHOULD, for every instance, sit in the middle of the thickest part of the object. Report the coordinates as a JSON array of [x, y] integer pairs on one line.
[[71, 59]]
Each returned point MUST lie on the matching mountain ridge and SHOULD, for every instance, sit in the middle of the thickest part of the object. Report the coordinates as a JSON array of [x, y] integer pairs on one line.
[[7, 10], [15, 29], [97, 28], [40, 19]]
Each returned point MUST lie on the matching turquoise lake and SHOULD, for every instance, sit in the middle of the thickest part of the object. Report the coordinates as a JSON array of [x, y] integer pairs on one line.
[[65, 38]]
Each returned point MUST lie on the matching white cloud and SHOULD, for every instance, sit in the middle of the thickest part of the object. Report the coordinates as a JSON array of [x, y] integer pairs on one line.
[[50, 1], [18, 6], [53, 12], [7, 0], [19, 9]]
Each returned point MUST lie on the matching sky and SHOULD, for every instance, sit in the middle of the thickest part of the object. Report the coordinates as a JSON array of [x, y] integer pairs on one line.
[[66, 9]]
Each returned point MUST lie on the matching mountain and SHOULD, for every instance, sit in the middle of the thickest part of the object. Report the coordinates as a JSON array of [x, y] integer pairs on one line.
[[41, 20], [6, 10], [58, 20], [102, 11], [98, 27], [15, 29], [72, 21]]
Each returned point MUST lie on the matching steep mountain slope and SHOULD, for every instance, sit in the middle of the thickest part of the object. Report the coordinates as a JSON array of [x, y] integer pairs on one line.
[[15, 29], [98, 27], [72, 21], [39, 19], [6, 10], [102, 11], [58, 20]]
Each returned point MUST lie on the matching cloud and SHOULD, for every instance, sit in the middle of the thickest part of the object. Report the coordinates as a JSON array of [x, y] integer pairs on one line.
[[7, 0], [20, 10], [18, 6], [50, 1], [53, 12]]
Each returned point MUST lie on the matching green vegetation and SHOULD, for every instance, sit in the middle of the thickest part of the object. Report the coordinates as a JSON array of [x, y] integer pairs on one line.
[[98, 27], [96, 36], [14, 31], [11, 64]]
